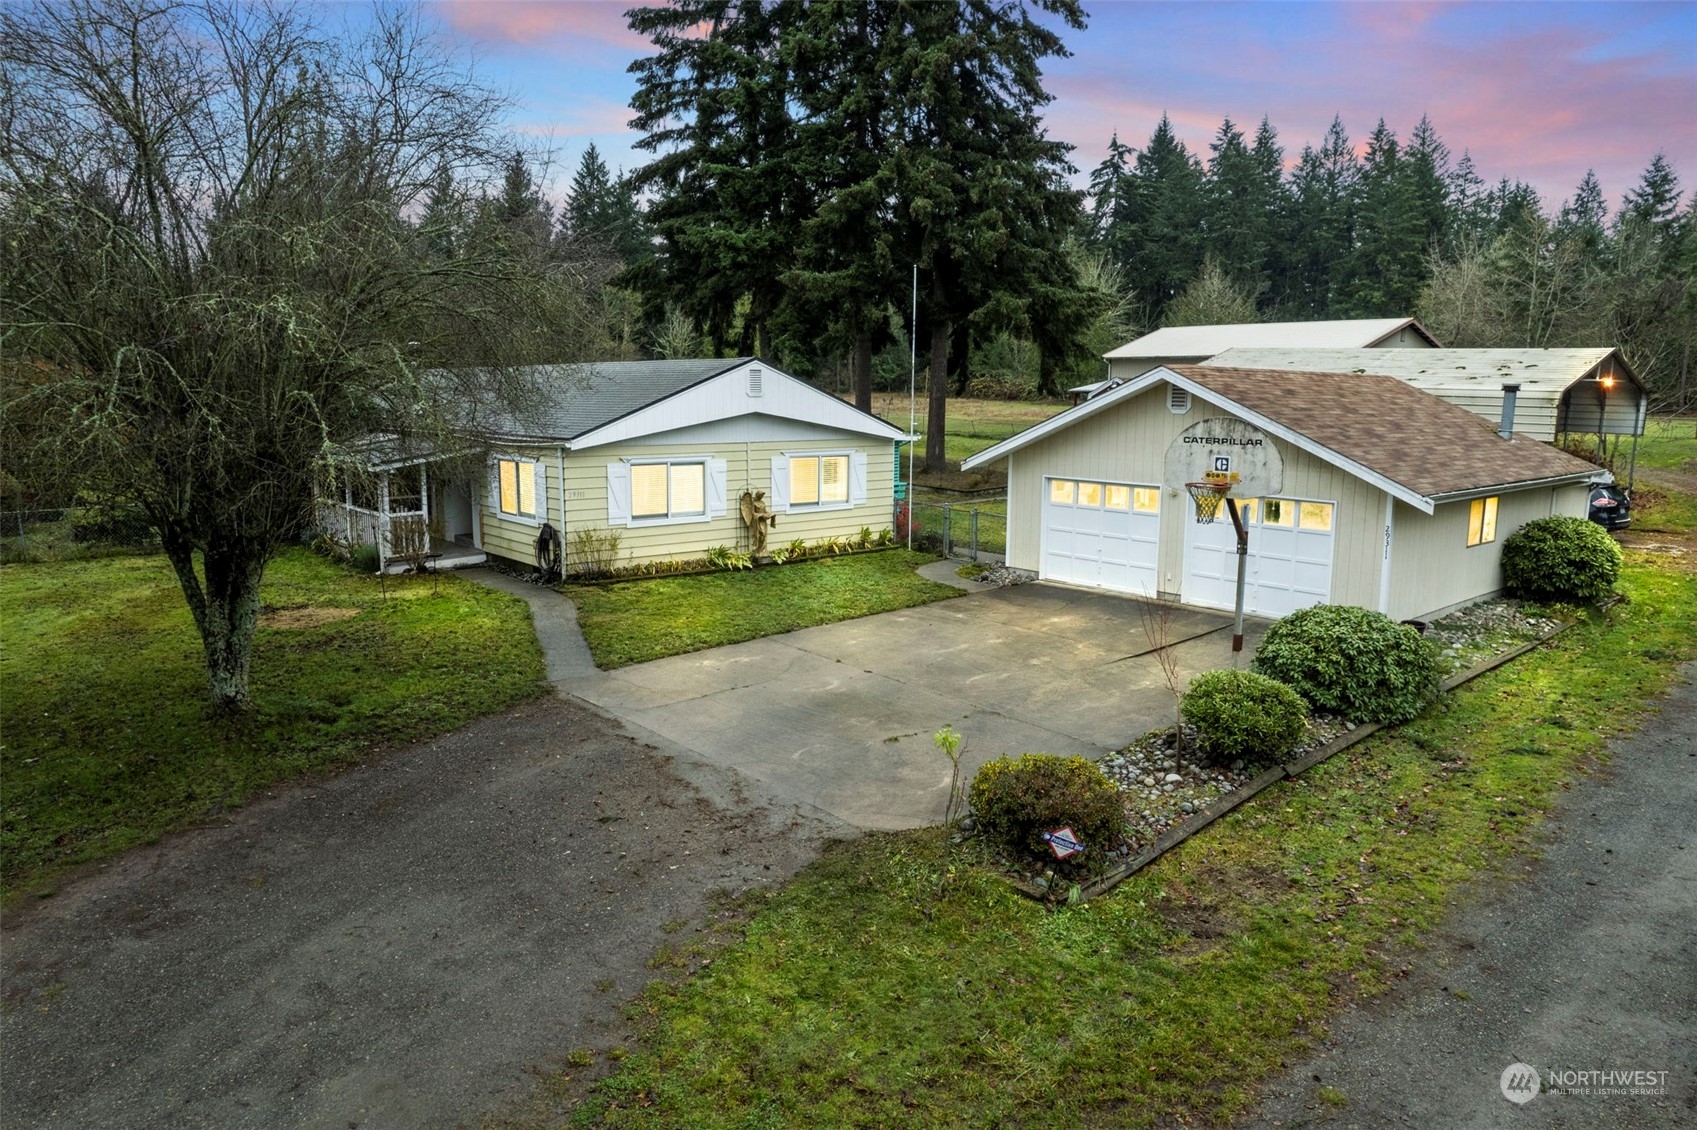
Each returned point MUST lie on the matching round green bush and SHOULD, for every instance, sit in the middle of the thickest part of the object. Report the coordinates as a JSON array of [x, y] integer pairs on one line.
[[1015, 800], [1353, 662], [1560, 559], [1240, 715]]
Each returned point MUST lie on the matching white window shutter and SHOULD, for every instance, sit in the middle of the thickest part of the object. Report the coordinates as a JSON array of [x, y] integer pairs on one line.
[[715, 488], [857, 478], [541, 469], [780, 497], [618, 493]]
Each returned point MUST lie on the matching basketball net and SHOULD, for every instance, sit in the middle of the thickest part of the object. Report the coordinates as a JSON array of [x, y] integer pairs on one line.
[[1208, 495]]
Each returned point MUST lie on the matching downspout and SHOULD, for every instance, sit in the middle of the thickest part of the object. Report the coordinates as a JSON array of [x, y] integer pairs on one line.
[[563, 542], [1385, 566]]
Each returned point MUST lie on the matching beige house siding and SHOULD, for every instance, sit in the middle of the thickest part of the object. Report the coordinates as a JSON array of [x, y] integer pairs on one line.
[[1128, 443], [507, 537], [748, 466], [1436, 570]]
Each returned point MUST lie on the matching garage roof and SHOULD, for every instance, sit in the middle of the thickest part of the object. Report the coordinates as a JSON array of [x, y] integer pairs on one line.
[[1206, 341], [1409, 443]]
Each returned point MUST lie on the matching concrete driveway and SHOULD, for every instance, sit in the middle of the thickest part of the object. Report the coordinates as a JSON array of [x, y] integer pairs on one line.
[[840, 717]]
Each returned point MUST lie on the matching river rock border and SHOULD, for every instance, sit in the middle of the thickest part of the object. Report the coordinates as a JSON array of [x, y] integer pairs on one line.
[[1178, 833]]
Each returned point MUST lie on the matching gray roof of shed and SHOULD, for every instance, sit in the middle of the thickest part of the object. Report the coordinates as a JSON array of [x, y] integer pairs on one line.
[[577, 399], [1206, 341], [1546, 372]]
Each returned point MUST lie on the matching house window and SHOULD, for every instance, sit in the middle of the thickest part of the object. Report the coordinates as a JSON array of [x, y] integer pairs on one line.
[[819, 480], [1277, 512], [1314, 516], [1146, 500], [518, 487], [1482, 521], [1060, 490], [668, 490], [1090, 494]]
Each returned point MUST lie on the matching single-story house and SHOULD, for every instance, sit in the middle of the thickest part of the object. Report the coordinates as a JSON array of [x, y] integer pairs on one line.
[[1391, 498], [1191, 345], [1586, 391], [656, 452]]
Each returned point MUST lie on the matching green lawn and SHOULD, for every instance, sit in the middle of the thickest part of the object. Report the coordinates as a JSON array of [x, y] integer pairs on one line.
[[636, 621], [898, 982], [1669, 443], [107, 742]]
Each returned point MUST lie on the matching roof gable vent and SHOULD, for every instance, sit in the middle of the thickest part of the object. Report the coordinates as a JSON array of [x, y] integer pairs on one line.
[[756, 381], [1178, 400]]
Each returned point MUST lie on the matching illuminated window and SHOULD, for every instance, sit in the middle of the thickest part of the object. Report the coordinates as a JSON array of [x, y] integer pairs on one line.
[[1247, 508], [1117, 498], [1146, 500], [819, 480], [518, 487], [1090, 494], [1278, 512], [1482, 521], [1314, 516], [1060, 490], [667, 490]]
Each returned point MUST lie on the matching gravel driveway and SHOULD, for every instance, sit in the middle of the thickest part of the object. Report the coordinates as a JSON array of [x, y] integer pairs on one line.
[[393, 947], [1588, 966]]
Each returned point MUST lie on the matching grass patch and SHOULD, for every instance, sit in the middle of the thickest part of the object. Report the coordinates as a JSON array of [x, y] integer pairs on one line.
[[1669, 443], [898, 982], [107, 739], [636, 621]]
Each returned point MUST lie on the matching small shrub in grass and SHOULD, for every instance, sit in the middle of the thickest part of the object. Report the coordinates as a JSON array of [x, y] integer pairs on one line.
[[1353, 662], [1557, 559], [363, 558], [1243, 715], [1016, 799]]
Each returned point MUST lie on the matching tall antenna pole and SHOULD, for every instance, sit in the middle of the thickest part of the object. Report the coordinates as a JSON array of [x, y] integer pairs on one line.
[[912, 396]]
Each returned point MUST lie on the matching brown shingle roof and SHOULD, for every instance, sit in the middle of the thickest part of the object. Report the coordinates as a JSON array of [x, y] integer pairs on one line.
[[1411, 437]]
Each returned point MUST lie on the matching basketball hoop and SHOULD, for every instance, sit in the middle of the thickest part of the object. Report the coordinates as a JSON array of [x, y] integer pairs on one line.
[[1207, 495]]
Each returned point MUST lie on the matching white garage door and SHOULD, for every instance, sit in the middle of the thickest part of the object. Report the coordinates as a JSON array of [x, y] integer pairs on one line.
[[1290, 557], [1101, 534]]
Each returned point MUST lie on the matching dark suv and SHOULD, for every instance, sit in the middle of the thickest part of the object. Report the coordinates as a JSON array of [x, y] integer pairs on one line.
[[1610, 508]]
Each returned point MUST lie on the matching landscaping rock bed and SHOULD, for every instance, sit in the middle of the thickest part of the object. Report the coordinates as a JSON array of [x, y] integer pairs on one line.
[[1482, 630], [1163, 788], [1001, 576]]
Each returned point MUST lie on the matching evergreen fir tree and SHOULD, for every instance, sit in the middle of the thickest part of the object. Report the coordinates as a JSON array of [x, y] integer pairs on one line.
[[1324, 193]]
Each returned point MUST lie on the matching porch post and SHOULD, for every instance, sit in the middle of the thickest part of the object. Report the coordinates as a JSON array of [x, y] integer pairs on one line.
[[383, 521], [424, 503]]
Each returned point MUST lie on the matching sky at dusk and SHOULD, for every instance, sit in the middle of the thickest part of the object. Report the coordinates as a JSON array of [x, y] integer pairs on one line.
[[1536, 91]]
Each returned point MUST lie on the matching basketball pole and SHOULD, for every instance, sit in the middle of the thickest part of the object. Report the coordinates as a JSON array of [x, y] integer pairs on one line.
[[1242, 561]]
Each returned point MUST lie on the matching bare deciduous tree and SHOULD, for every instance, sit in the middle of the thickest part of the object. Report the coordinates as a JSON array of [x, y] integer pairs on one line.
[[211, 281]]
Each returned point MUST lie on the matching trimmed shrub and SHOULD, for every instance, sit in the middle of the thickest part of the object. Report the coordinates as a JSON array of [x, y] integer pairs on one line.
[[1553, 559], [1015, 800], [1243, 715], [364, 558], [1353, 662]]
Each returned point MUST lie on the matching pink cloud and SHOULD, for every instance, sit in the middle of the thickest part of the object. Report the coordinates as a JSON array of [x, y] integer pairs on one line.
[[1531, 98], [538, 23]]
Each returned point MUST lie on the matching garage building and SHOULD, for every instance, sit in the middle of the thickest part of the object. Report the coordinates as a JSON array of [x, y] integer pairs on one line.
[[1393, 499]]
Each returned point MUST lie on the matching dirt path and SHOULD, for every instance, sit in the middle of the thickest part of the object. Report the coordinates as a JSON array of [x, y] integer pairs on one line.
[[394, 947], [1588, 966]]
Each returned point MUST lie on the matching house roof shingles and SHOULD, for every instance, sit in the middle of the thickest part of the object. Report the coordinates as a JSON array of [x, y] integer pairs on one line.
[[1411, 437], [577, 399]]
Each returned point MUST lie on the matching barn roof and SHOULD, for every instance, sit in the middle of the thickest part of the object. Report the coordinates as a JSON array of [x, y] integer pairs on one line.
[[1206, 341]]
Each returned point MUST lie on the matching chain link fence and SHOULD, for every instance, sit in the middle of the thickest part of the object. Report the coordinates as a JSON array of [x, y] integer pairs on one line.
[[975, 529], [73, 533]]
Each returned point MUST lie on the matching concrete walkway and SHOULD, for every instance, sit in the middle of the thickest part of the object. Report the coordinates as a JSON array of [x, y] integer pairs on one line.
[[563, 649], [1587, 966]]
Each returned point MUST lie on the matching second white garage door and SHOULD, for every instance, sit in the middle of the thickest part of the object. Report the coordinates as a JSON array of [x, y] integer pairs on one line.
[[1101, 534], [1290, 557]]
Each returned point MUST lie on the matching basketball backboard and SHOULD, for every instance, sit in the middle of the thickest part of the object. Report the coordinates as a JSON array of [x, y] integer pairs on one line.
[[1226, 449]]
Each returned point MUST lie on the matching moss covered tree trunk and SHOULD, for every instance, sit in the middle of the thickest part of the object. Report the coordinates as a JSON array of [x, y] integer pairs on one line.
[[224, 599]]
